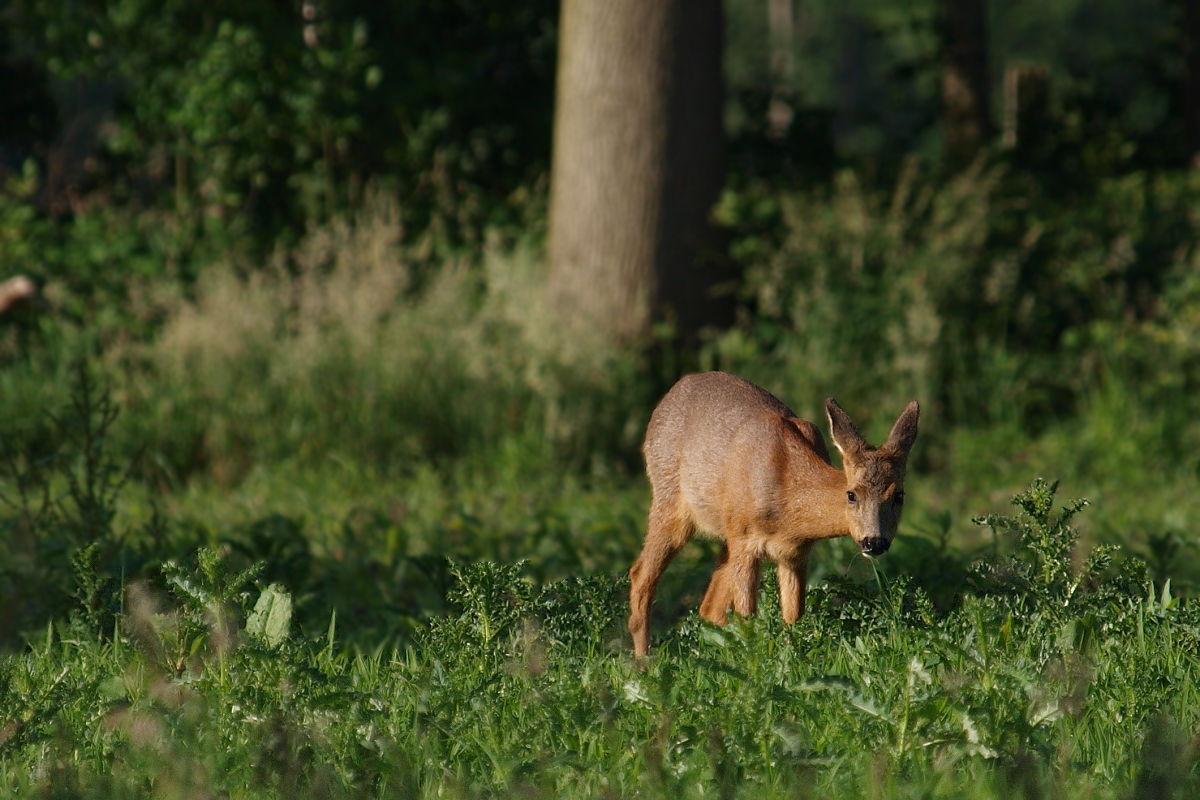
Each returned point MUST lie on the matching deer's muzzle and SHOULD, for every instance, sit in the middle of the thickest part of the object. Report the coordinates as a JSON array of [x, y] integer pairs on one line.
[[875, 546]]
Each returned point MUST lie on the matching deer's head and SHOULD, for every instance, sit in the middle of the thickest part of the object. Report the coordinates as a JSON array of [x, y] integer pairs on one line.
[[874, 476]]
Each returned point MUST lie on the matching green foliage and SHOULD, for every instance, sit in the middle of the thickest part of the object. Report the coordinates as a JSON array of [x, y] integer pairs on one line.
[[272, 616], [872, 692], [210, 602], [392, 361], [22, 234], [278, 114], [408, 481], [257, 118], [865, 75], [993, 300], [62, 485], [1049, 538], [876, 294], [493, 599], [865, 82], [1114, 87]]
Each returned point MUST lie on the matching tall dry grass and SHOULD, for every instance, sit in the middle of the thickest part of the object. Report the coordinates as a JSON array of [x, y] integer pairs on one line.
[[338, 347]]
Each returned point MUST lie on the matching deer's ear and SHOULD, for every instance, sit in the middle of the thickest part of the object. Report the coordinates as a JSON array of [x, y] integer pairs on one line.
[[904, 432], [846, 437]]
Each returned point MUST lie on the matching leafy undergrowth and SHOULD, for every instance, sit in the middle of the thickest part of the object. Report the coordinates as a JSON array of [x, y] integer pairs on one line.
[[1045, 676]]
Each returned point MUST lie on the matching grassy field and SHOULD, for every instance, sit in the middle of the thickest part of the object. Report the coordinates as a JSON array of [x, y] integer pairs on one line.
[[1041, 676], [351, 522]]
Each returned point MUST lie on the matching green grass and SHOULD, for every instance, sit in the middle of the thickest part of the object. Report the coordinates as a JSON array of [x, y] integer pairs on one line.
[[1044, 678], [441, 475]]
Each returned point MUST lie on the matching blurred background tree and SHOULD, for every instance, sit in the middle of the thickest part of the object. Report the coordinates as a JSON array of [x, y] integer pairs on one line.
[[266, 114], [269, 114], [966, 79], [151, 135], [156, 136], [639, 161], [1189, 85]]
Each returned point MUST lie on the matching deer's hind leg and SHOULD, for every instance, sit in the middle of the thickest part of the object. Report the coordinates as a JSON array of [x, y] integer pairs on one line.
[[668, 531]]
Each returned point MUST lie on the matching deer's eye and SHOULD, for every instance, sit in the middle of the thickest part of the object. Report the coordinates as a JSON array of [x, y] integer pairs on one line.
[[851, 498]]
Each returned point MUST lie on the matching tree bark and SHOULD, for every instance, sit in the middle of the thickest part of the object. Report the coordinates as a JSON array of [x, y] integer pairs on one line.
[[638, 162], [1026, 109], [781, 21], [966, 96], [1190, 85]]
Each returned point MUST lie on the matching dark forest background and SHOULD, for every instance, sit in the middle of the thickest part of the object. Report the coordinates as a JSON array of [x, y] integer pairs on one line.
[[301, 249]]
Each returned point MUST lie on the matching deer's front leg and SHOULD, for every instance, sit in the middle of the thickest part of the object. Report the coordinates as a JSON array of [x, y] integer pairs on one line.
[[793, 577], [734, 582]]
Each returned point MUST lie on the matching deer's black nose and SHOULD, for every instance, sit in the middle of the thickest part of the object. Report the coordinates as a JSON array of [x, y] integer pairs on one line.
[[875, 546]]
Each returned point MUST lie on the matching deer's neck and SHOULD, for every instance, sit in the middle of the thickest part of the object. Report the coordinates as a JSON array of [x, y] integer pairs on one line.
[[819, 503]]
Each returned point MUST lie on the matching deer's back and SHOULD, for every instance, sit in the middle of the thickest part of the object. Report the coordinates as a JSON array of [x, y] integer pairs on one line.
[[704, 411], [712, 430]]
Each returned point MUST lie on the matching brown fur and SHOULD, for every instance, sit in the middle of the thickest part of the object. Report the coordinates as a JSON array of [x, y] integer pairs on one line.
[[17, 292], [727, 458]]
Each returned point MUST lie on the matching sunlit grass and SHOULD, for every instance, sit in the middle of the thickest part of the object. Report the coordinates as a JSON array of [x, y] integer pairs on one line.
[[388, 442], [1045, 678]]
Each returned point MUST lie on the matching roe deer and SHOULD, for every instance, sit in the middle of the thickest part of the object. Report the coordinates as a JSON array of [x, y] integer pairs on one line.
[[727, 458]]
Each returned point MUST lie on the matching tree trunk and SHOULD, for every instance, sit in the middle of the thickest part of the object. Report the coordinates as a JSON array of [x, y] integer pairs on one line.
[[1026, 110], [966, 97], [1190, 37], [638, 163], [781, 22]]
